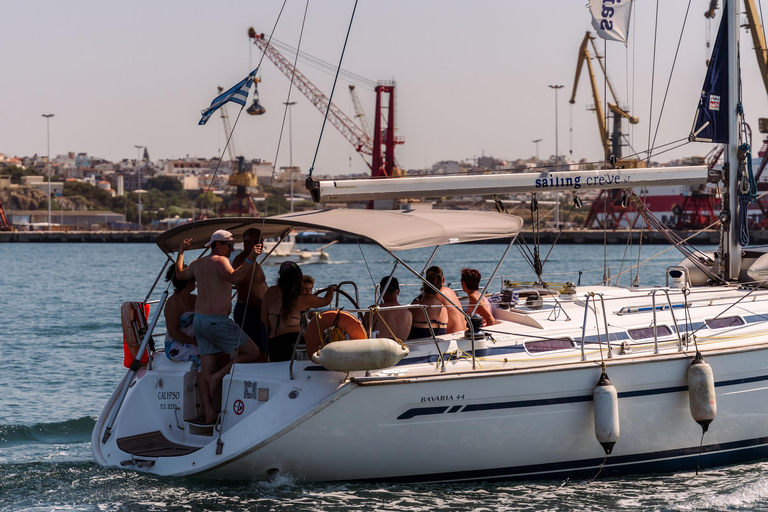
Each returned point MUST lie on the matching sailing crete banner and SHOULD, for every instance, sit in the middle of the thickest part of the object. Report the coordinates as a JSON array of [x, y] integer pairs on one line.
[[610, 18]]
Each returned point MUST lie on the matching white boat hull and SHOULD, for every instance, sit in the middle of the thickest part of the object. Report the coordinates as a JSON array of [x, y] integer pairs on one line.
[[511, 420]]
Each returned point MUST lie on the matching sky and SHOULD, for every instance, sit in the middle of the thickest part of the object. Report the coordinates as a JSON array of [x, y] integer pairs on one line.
[[471, 77]]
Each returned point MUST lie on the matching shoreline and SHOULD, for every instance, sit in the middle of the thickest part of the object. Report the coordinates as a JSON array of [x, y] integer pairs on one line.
[[569, 237]]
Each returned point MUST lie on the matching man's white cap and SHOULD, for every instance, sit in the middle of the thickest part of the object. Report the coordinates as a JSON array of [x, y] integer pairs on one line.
[[221, 235]]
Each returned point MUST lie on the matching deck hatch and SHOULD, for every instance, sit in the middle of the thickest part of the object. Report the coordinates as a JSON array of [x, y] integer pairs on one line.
[[723, 322], [538, 346], [647, 332]]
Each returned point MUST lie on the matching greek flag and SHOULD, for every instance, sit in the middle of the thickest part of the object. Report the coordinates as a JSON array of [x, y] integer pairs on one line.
[[237, 94]]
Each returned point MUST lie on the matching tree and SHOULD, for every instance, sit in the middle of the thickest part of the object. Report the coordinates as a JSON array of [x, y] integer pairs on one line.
[[164, 183]]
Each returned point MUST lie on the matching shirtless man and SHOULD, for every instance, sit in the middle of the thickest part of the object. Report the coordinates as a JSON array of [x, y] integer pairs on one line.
[[214, 330], [456, 319], [256, 283], [395, 323]]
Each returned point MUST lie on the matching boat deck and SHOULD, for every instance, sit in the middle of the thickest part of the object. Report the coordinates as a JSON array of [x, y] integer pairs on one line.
[[153, 444]]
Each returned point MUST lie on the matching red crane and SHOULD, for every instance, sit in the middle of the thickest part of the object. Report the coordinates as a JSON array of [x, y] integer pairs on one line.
[[382, 158]]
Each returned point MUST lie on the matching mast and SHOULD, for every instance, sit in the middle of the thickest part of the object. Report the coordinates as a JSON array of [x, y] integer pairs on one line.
[[730, 231]]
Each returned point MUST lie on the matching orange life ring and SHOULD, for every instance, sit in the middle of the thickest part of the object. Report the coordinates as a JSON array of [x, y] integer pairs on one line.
[[347, 322]]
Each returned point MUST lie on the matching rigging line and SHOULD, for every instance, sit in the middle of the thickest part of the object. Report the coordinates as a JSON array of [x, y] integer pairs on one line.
[[326, 67], [330, 98], [636, 281], [368, 268], [605, 239], [282, 124], [653, 79], [626, 247], [237, 350], [218, 164], [634, 47], [671, 71], [562, 228]]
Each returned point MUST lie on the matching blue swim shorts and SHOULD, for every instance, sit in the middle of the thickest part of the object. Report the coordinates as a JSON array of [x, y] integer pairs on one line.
[[217, 333]]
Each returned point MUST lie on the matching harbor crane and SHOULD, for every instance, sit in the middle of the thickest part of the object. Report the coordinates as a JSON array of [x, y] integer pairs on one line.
[[611, 146], [380, 147], [359, 113], [607, 203]]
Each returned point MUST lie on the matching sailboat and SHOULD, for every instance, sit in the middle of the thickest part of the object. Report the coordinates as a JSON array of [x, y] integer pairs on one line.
[[575, 382]]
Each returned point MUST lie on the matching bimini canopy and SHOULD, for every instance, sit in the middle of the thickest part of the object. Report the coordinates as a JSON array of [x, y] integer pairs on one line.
[[394, 230]]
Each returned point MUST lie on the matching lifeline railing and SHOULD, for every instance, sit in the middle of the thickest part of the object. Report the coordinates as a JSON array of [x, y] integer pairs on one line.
[[605, 323], [655, 324]]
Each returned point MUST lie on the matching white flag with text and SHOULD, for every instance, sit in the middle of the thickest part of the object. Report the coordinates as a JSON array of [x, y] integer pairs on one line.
[[610, 18]]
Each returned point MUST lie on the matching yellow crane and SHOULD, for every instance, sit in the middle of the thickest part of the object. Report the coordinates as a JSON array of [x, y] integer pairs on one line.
[[612, 145]]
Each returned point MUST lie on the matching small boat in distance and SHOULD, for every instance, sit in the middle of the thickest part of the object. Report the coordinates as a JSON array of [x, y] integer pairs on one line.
[[277, 251]]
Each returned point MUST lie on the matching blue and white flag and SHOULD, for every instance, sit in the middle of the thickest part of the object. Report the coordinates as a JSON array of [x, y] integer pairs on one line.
[[237, 94], [610, 18]]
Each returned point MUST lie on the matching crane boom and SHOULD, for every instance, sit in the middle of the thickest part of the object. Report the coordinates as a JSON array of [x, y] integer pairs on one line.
[[353, 133], [756, 29], [586, 57], [359, 113]]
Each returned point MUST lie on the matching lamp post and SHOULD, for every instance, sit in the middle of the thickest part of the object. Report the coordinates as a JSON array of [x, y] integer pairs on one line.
[[557, 149], [536, 141], [557, 158], [138, 168], [289, 104], [48, 162]]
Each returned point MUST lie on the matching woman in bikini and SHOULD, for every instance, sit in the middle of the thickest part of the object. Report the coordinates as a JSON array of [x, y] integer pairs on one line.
[[180, 342], [437, 317], [470, 283], [281, 310]]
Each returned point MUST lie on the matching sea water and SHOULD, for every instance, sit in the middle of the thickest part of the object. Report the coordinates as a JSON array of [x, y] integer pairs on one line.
[[61, 358]]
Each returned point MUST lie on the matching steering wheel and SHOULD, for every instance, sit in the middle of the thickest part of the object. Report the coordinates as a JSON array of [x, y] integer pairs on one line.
[[341, 292]]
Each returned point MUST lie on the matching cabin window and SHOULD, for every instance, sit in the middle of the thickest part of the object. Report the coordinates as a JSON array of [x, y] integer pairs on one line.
[[721, 323], [536, 347], [647, 332]]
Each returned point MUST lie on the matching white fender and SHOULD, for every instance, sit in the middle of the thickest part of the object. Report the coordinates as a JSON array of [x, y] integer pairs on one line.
[[758, 270], [360, 355], [701, 392], [606, 408]]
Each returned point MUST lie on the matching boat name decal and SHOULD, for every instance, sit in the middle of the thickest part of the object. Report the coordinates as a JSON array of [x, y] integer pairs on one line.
[[168, 395], [441, 398], [575, 182]]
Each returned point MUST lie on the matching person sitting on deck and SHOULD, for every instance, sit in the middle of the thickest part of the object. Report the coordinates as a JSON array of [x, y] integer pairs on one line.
[[456, 319], [393, 323], [180, 341], [281, 310], [470, 283], [437, 317]]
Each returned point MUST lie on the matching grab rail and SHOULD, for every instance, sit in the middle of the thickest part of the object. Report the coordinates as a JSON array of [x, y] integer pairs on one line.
[[605, 322], [655, 325]]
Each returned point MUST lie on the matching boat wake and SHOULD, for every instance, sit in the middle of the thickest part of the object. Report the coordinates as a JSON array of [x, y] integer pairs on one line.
[[69, 432]]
